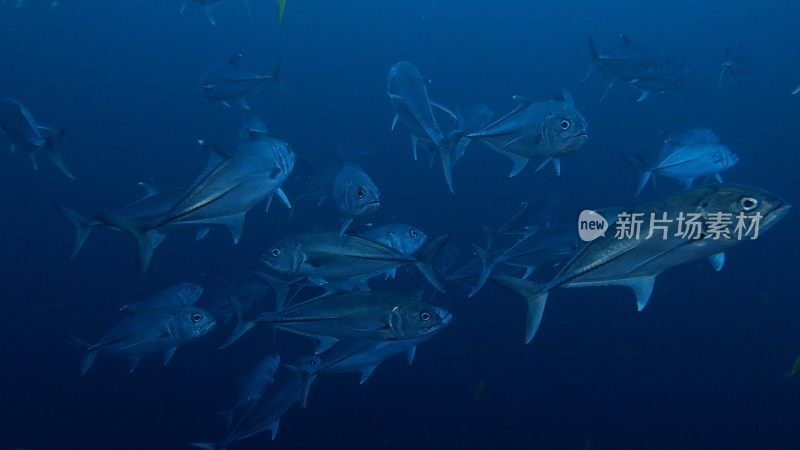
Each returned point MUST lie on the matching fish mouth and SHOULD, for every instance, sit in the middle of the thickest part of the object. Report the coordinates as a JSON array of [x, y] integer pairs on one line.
[[371, 206], [777, 214], [207, 327], [446, 318]]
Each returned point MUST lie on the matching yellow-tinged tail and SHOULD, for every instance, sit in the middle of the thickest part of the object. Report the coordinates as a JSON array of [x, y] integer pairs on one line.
[[281, 8]]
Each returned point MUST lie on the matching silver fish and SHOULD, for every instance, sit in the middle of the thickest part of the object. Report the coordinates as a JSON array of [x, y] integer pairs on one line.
[[361, 356], [405, 239], [635, 262], [329, 257], [222, 195], [376, 316], [178, 295], [734, 64], [29, 136], [408, 93], [265, 413], [155, 201], [233, 81], [636, 68], [355, 194], [545, 131], [687, 156], [545, 245], [150, 330], [253, 386]]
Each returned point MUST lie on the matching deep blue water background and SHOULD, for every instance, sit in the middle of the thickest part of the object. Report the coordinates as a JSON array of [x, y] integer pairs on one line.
[[702, 367]]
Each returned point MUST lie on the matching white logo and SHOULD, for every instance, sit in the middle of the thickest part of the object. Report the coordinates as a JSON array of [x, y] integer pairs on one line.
[[591, 225]]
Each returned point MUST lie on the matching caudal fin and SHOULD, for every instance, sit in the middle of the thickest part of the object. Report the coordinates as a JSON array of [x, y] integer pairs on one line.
[[279, 287], [276, 74], [645, 171], [449, 153], [536, 297], [486, 270], [242, 325], [146, 240], [55, 156], [280, 10], [90, 356], [83, 227], [425, 260], [595, 55]]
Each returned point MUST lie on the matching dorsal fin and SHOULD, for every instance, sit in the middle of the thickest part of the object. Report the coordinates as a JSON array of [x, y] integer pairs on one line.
[[215, 157], [521, 100], [566, 97]]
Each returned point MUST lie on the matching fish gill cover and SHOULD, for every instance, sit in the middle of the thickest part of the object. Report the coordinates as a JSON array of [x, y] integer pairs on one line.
[[402, 225]]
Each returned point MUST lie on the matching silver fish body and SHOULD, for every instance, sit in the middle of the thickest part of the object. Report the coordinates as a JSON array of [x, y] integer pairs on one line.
[[635, 261], [547, 131]]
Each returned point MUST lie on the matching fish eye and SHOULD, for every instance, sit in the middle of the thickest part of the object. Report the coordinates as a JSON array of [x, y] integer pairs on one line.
[[748, 204], [275, 252], [196, 317], [413, 232], [565, 124], [361, 192], [424, 316]]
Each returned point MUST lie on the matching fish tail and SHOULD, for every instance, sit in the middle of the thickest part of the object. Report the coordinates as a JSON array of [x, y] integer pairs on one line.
[[55, 155], [90, 356], [644, 168], [536, 297], [83, 227], [595, 55], [209, 11], [486, 270], [593, 50], [425, 260], [280, 287], [242, 325], [644, 177], [449, 151], [280, 10], [146, 240], [276, 74]]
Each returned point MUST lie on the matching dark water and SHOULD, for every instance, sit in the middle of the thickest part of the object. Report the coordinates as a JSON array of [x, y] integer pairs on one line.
[[702, 367]]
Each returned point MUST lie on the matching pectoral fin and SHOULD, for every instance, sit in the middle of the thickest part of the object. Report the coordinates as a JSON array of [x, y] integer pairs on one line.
[[282, 195], [411, 353], [169, 354], [519, 164], [717, 261], [324, 343], [366, 372], [642, 288], [209, 10], [201, 233], [134, 363], [235, 224]]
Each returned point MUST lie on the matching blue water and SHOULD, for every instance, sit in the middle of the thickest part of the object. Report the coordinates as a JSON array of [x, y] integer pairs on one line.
[[702, 367]]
